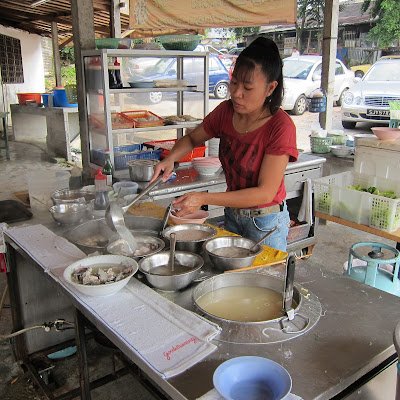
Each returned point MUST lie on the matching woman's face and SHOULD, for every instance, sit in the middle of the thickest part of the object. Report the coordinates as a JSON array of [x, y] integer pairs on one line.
[[249, 93]]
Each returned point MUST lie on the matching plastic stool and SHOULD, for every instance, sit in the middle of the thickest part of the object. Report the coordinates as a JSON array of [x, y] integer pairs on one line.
[[394, 123], [3, 116], [371, 274]]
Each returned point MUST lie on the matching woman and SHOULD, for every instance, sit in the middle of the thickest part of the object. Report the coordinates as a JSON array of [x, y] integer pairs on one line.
[[257, 140]]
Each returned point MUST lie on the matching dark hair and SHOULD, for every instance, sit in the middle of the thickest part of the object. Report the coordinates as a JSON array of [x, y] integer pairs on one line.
[[263, 52]]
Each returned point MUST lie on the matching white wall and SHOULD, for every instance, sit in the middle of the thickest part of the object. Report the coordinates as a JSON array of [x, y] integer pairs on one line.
[[32, 62]]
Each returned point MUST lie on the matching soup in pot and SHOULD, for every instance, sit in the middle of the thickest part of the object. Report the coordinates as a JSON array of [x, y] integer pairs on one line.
[[243, 303]]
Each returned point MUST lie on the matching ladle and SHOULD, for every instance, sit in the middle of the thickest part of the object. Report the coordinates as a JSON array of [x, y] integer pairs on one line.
[[252, 248], [289, 284], [115, 213], [172, 244], [165, 219]]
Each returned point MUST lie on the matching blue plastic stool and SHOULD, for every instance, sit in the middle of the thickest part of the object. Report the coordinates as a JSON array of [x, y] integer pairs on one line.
[[394, 123], [371, 274]]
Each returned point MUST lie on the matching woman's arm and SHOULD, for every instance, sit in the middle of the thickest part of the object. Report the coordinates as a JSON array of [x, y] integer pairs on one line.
[[182, 147], [270, 177]]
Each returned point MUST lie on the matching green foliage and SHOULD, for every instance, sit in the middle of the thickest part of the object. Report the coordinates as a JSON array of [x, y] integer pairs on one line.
[[394, 105], [239, 33], [67, 53], [68, 74], [387, 14]]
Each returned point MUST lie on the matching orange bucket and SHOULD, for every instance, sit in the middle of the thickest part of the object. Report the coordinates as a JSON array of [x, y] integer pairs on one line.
[[23, 97]]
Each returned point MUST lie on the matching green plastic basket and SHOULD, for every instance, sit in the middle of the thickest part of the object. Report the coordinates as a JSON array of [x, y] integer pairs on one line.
[[179, 42], [321, 144], [71, 92], [107, 43]]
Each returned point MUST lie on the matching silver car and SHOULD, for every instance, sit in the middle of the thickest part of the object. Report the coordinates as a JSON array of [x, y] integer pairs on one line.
[[368, 100], [302, 75]]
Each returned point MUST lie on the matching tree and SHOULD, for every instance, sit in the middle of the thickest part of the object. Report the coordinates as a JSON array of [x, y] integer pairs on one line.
[[387, 15], [309, 13]]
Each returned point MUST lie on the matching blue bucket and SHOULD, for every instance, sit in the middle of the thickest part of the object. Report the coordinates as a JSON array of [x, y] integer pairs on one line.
[[317, 104], [60, 98], [45, 99]]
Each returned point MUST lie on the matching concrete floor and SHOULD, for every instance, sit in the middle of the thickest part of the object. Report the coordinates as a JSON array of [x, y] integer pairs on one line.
[[330, 252]]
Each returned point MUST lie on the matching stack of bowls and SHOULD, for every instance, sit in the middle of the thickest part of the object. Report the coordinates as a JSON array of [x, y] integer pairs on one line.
[[207, 165]]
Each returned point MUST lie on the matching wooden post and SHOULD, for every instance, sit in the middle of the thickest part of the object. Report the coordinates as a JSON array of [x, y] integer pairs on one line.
[[56, 53], [115, 19], [329, 48], [83, 31]]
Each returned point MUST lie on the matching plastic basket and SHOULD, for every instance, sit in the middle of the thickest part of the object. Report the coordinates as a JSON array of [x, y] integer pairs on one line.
[[118, 121], [167, 145], [136, 116], [72, 94], [333, 196], [179, 42], [317, 104], [298, 232], [124, 154], [321, 145]]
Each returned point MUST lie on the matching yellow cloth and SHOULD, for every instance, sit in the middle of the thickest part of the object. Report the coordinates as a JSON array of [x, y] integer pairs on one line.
[[268, 257]]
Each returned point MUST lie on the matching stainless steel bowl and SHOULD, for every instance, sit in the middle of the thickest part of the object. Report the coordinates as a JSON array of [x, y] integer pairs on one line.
[[67, 196], [68, 213], [228, 262], [141, 170], [114, 245], [190, 237], [95, 235], [171, 282]]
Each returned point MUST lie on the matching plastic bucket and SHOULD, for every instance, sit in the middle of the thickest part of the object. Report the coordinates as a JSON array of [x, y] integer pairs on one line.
[[45, 99], [23, 97], [60, 98], [41, 184], [317, 104]]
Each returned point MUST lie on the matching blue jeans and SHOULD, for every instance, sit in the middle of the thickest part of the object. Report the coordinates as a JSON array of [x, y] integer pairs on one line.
[[256, 228]]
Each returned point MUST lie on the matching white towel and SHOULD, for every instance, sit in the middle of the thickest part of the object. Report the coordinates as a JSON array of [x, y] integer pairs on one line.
[[169, 338], [214, 395], [45, 247], [305, 212]]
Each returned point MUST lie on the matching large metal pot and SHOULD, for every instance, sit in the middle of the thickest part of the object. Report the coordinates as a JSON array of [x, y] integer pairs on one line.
[[241, 279], [190, 237], [95, 235], [141, 170], [171, 282]]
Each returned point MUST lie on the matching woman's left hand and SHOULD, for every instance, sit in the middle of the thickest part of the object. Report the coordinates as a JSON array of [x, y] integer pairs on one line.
[[188, 203]]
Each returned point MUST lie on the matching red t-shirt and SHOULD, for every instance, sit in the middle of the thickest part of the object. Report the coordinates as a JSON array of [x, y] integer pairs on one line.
[[241, 155]]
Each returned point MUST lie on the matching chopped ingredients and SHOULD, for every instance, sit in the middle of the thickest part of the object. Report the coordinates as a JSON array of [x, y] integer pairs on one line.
[[100, 275]]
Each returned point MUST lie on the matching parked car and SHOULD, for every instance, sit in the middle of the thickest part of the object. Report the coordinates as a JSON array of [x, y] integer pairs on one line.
[[360, 70], [136, 66], [229, 61], [302, 75], [236, 50], [368, 100], [166, 68]]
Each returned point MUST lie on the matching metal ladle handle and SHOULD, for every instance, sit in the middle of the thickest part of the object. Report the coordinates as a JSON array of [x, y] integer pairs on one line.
[[252, 248], [172, 244], [147, 190]]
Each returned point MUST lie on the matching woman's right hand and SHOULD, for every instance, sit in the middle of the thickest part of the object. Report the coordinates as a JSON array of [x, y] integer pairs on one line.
[[165, 167]]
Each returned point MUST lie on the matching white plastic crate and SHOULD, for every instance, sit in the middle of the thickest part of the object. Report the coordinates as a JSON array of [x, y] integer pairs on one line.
[[334, 197]]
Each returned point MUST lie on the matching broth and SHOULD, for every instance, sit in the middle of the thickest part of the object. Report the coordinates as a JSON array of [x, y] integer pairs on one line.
[[166, 270], [243, 303], [231, 252], [188, 235]]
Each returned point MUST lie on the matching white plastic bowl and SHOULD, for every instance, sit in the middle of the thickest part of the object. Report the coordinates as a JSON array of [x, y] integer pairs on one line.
[[341, 150], [207, 170], [105, 261]]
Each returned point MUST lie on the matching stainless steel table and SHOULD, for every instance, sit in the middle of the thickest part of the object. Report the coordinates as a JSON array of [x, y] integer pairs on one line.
[[352, 338]]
